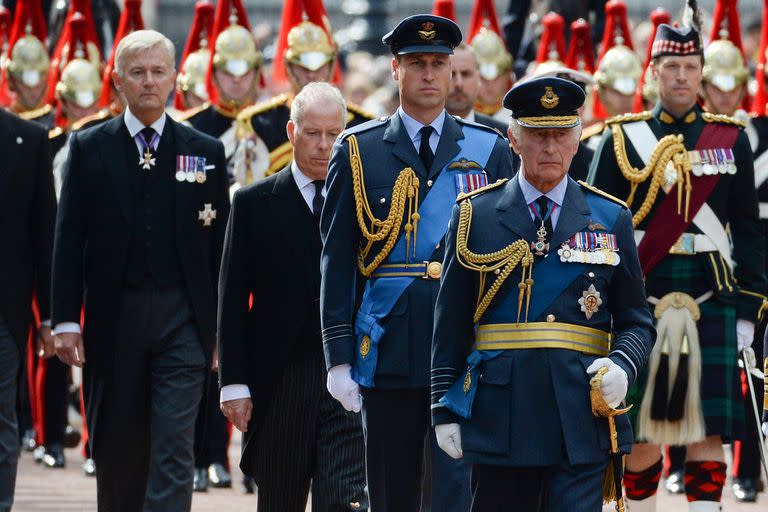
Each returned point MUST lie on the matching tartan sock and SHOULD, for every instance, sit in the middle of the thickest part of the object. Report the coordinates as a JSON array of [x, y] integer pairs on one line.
[[704, 480], [640, 485]]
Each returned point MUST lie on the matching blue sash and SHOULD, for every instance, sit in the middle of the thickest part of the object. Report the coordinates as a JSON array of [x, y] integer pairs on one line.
[[550, 277], [381, 294]]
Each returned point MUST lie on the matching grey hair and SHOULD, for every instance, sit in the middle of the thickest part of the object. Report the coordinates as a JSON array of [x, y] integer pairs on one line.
[[516, 130], [142, 40], [317, 92]]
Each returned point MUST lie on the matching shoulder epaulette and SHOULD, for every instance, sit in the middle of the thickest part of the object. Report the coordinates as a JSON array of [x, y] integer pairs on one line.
[[480, 190], [629, 117], [192, 112], [479, 126], [720, 118], [362, 127], [263, 106], [599, 192], [592, 130], [98, 116], [52, 134], [34, 114], [357, 109]]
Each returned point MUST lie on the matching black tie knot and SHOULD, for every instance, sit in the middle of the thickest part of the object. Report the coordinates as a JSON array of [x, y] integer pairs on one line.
[[317, 201], [147, 133], [425, 150], [543, 203]]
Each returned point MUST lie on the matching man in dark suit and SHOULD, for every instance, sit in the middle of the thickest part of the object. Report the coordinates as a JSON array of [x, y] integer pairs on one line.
[[26, 191], [272, 369], [391, 185], [138, 243]]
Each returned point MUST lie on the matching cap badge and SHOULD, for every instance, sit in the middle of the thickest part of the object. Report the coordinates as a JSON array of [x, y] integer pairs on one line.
[[427, 33], [550, 99]]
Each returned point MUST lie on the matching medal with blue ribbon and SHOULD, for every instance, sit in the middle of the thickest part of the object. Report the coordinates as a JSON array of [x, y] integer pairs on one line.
[[147, 159]]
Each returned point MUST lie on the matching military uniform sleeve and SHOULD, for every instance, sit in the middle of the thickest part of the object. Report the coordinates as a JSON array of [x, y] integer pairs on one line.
[[500, 162], [69, 242], [234, 293], [746, 232], [44, 206], [633, 326], [453, 333], [338, 261]]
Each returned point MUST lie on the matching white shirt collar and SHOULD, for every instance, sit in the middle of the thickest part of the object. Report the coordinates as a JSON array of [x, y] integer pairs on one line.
[[413, 126], [531, 193], [470, 117], [135, 126], [301, 179]]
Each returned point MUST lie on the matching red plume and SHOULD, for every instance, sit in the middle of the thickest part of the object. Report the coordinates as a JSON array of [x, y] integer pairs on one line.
[[444, 8], [581, 54], [726, 9], [552, 38], [80, 9], [202, 27], [130, 21], [27, 12], [294, 12], [761, 96], [658, 16], [616, 25], [483, 15], [221, 22]]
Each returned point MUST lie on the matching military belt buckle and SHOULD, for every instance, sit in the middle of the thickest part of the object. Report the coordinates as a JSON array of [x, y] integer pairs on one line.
[[432, 270], [685, 245]]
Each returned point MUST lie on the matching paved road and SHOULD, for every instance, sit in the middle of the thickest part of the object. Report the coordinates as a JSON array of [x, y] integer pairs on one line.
[[40, 489]]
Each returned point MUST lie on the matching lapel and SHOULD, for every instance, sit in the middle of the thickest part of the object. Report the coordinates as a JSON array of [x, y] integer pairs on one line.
[[120, 147], [574, 216], [11, 155], [447, 148], [297, 224], [513, 211], [401, 145]]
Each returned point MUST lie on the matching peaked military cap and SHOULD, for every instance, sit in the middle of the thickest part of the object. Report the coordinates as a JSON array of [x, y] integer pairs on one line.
[[545, 103], [678, 41], [423, 33]]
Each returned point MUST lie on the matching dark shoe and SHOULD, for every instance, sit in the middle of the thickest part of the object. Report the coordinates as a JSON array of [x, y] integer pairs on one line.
[[29, 440], [745, 489], [675, 483], [200, 483], [89, 467], [219, 477], [38, 454], [248, 484], [54, 456], [71, 437]]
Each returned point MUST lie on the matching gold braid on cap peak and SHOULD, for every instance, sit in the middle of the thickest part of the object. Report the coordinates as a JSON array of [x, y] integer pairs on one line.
[[502, 263], [549, 121], [406, 188], [669, 150]]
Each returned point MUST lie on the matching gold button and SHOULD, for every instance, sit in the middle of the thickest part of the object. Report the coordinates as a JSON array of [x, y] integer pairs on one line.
[[550, 318], [382, 200], [591, 274], [429, 183], [354, 505], [497, 271], [434, 269]]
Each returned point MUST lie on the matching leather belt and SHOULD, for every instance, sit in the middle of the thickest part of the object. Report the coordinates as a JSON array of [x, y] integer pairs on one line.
[[425, 270], [534, 335]]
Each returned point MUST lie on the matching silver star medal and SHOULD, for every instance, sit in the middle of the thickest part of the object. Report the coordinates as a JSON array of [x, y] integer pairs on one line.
[[147, 160], [590, 301]]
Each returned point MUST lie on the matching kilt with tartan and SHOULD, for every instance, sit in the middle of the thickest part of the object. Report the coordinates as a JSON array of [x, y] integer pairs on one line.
[[721, 398]]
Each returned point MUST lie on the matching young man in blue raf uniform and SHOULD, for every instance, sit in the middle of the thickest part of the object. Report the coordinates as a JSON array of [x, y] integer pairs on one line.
[[391, 185], [553, 265]]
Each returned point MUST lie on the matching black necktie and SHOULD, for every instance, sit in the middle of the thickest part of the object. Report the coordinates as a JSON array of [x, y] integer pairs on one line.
[[544, 204], [425, 152], [147, 133], [318, 200]]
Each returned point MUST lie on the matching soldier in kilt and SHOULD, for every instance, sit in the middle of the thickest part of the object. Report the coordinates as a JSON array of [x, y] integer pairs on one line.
[[687, 175]]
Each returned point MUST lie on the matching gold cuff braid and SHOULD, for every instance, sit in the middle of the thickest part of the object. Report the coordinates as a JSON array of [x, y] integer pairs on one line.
[[668, 149], [502, 262], [406, 188]]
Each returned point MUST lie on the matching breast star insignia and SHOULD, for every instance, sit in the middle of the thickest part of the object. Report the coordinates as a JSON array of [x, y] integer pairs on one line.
[[207, 214]]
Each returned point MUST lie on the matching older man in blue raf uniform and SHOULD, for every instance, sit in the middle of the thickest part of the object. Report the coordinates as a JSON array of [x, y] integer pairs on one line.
[[391, 185], [553, 267]]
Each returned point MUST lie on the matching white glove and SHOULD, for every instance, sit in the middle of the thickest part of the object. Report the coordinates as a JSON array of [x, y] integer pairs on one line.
[[341, 387], [745, 333], [449, 439], [615, 381]]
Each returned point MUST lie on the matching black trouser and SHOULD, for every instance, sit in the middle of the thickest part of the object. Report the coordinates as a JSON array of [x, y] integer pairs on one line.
[[144, 441], [308, 437], [397, 426], [55, 401], [10, 363]]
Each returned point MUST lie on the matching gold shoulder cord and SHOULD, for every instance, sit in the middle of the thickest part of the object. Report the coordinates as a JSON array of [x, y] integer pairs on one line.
[[669, 149], [502, 262], [406, 188]]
